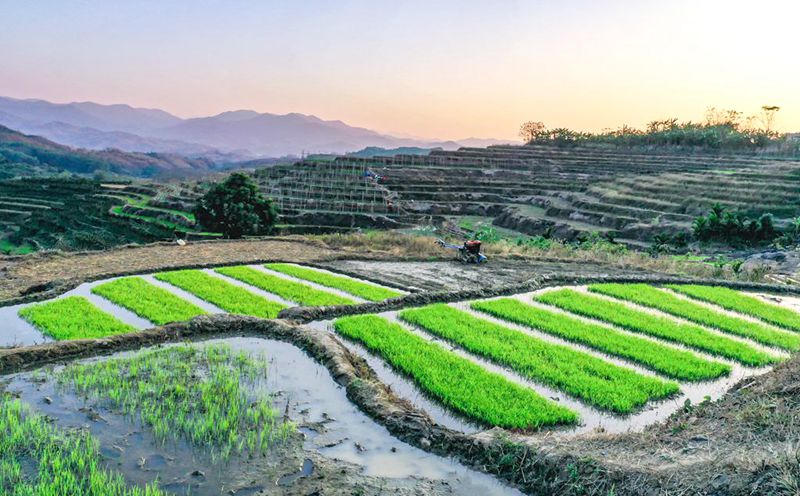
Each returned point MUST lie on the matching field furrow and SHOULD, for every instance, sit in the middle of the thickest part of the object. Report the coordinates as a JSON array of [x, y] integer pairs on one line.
[[596, 381], [73, 317], [455, 381], [361, 289], [672, 362], [649, 296], [742, 303], [654, 325], [299, 293], [223, 294], [148, 301]]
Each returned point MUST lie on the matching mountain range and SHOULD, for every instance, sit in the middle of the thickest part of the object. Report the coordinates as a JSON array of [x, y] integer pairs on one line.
[[226, 137]]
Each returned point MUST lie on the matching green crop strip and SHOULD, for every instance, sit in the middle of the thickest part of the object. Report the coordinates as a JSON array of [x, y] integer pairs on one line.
[[289, 290], [662, 327], [36, 458], [672, 362], [649, 296], [223, 294], [201, 394], [598, 382], [455, 381], [150, 302], [367, 291], [73, 317], [742, 303]]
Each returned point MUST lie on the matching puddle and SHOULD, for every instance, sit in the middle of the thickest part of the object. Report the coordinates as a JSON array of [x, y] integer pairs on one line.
[[331, 424]]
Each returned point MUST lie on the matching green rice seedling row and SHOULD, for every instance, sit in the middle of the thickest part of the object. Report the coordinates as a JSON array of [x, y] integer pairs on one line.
[[286, 289], [596, 381], [223, 294], [37, 458], [649, 296], [148, 301], [73, 317], [635, 320], [672, 362], [361, 289], [462, 385], [742, 303], [200, 394]]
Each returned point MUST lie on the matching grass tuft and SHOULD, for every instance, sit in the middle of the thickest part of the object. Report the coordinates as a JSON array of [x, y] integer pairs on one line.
[[150, 302], [460, 384], [672, 362], [596, 381], [73, 317], [361, 289], [223, 294]]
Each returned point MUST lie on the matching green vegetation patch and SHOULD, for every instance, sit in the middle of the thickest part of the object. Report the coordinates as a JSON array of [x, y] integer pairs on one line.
[[290, 290], [742, 303], [73, 317], [457, 382], [198, 393], [672, 362], [596, 381], [148, 301], [662, 327], [649, 296], [365, 290], [223, 294], [36, 458]]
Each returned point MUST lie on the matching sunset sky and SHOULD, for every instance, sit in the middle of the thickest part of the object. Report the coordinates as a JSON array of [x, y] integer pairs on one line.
[[428, 68]]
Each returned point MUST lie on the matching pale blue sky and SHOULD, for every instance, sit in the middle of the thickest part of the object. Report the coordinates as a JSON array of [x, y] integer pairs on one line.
[[446, 69]]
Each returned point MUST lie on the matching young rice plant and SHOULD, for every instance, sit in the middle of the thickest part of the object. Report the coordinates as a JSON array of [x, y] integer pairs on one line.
[[596, 381], [649, 296], [672, 362], [457, 382], [742, 303], [199, 393], [73, 317], [635, 320], [148, 301], [223, 294], [289, 290], [365, 290]]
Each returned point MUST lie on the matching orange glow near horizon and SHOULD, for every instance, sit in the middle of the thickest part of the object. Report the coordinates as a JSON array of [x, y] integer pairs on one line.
[[450, 71]]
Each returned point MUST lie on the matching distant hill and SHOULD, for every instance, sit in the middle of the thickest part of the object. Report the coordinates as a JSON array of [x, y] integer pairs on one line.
[[235, 135], [374, 151], [25, 155]]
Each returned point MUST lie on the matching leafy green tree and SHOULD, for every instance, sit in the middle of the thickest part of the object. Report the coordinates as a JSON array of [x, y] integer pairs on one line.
[[236, 208]]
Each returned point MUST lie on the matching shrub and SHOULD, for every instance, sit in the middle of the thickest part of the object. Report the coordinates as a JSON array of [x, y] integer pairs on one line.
[[236, 208]]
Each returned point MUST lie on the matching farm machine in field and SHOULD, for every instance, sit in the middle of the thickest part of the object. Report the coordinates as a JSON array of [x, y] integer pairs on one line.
[[469, 252]]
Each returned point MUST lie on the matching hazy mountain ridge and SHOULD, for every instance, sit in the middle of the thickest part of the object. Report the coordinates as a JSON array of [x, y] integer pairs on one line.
[[238, 134]]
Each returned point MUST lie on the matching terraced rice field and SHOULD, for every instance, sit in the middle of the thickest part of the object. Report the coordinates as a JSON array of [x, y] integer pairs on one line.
[[608, 353]]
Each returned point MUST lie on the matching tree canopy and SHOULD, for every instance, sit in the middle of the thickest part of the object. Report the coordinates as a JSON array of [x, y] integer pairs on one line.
[[236, 207]]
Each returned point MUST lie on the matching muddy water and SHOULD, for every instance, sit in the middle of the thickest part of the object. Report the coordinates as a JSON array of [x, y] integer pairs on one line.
[[331, 425]]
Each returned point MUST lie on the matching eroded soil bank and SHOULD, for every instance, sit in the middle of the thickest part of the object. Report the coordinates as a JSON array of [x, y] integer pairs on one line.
[[744, 443]]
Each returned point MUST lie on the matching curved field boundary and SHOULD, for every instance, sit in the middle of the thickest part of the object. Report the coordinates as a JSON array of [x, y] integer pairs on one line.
[[653, 297], [148, 301], [367, 291], [289, 290], [223, 294], [732, 300], [73, 317], [669, 361], [457, 382], [589, 378], [630, 318]]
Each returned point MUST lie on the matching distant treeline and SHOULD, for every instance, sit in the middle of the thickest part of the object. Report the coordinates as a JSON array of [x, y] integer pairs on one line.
[[721, 130]]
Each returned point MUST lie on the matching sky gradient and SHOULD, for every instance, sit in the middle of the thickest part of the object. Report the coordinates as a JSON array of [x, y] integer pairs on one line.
[[436, 69]]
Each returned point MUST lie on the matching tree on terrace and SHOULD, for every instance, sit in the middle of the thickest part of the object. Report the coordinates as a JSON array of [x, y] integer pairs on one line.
[[532, 130], [236, 208]]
